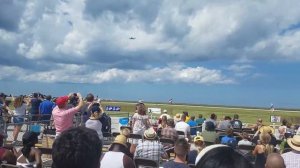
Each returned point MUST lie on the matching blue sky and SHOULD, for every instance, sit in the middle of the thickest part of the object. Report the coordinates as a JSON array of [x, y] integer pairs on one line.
[[242, 53]]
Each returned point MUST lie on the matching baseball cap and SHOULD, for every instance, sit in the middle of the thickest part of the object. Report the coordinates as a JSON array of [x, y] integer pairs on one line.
[[198, 138], [60, 101]]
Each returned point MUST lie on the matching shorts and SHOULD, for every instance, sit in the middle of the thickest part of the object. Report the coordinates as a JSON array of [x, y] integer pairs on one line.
[[18, 120]]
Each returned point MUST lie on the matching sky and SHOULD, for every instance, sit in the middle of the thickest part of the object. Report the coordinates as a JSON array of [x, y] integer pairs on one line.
[[238, 53]]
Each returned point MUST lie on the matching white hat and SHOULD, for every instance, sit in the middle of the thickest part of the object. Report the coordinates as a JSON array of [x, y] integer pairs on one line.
[[294, 142]]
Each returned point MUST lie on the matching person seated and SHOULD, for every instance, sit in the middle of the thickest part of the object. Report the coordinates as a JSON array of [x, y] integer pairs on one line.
[[29, 156], [8, 155], [245, 139], [177, 118], [210, 134], [165, 113], [163, 123], [262, 150], [181, 150], [150, 148], [200, 120], [118, 153], [274, 160], [184, 127], [187, 117], [169, 132], [229, 139], [192, 123], [292, 158], [236, 123], [219, 155], [225, 124], [265, 129], [77, 148], [199, 144]]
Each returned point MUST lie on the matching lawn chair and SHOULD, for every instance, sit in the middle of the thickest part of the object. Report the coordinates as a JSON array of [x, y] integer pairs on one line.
[[145, 163], [9, 166], [170, 145]]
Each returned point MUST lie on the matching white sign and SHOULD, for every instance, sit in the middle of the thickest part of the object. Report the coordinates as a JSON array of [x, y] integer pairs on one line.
[[275, 119], [154, 110]]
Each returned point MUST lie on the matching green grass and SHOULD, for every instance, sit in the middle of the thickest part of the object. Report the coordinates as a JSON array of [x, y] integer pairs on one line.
[[247, 115]]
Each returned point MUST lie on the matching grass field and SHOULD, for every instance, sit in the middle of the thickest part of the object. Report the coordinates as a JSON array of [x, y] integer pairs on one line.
[[247, 115]]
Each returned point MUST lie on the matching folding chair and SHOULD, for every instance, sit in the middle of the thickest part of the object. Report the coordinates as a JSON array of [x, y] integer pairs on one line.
[[107, 138], [145, 163], [169, 142], [47, 164], [285, 150], [135, 137], [4, 165], [114, 134]]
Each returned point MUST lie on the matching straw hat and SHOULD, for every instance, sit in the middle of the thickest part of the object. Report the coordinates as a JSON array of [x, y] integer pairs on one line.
[[150, 133], [294, 142], [198, 138], [266, 129], [177, 117], [120, 139]]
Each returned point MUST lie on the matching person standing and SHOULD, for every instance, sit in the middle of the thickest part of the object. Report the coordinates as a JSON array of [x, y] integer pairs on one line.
[[18, 116], [93, 122], [46, 108], [35, 104], [140, 122], [62, 116]]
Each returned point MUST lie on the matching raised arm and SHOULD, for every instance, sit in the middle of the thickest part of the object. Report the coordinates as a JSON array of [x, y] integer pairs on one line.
[[80, 104]]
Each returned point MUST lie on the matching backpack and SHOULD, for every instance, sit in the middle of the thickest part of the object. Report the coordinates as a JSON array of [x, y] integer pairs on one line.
[[106, 123]]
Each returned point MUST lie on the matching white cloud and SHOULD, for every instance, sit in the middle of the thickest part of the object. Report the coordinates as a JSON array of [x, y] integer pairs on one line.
[[241, 70], [82, 74], [176, 31]]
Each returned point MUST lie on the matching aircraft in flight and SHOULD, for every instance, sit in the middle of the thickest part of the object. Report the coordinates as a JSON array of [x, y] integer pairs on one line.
[[132, 38]]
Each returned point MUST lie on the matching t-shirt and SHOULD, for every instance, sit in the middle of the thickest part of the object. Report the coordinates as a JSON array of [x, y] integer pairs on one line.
[[230, 141], [225, 124], [46, 107], [193, 124], [20, 111], [140, 123], [210, 136], [237, 124], [184, 127], [95, 125], [112, 159], [63, 118], [200, 121], [35, 104], [172, 164]]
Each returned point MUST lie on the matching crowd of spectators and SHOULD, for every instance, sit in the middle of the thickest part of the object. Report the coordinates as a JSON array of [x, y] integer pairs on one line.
[[197, 142]]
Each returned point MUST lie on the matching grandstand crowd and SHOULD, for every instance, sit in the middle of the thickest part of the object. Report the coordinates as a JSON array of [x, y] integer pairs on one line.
[[179, 141]]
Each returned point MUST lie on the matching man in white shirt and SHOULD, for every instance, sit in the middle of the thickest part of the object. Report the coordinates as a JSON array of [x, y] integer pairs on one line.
[[184, 127]]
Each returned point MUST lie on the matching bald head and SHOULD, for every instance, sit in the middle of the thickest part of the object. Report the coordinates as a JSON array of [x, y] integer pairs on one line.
[[274, 160]]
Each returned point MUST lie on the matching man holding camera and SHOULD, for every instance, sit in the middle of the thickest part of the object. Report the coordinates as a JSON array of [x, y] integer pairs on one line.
[[62, 115]]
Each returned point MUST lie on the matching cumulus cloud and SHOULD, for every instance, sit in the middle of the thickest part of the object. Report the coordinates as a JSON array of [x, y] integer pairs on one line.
[[43, 35], [77, 74]]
